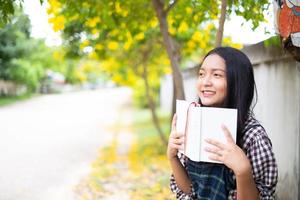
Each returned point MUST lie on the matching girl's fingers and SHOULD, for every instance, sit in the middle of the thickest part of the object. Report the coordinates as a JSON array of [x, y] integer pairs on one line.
[[227, 134], [216, 143], [215, 158], [176, 135], [178, 141], [214, 151], [176, 146], [174, 122]]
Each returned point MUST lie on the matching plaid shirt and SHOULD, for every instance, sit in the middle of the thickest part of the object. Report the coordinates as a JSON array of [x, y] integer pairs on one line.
[[258, 148]]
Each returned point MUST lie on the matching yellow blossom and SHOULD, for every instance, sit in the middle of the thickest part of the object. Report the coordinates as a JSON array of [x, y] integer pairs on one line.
[[191, 44], [123, 25], [74, 17], [118, 7], [183, 27], [153, 23], [172, 30], [197, 36], [57, 55], [84, 44], [86, 5], [128, 43], [99, 46], [113, 45], [58, 23], [93, 55], [170, 21], [189, 10], [140, 36], [124, 13], [196, 17], [54, 6], [80, 75], [92, 22], [95, 32]]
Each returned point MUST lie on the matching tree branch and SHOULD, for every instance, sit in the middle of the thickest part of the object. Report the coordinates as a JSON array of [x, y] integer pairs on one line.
[[171, 6]]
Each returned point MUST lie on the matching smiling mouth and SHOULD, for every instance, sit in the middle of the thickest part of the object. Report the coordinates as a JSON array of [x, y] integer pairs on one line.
[[208, 93]]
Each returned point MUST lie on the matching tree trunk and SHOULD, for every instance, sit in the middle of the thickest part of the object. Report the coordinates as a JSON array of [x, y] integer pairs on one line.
[[170, 47], [152, 106], [222, 18]]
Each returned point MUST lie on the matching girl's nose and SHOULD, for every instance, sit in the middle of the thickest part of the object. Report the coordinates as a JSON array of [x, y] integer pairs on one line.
[[207, 80]]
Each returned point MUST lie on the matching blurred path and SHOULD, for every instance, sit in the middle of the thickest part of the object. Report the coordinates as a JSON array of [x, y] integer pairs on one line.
[[48, 143]]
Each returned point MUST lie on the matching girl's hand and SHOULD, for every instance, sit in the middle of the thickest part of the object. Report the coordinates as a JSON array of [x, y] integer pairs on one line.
[[176, 141], [230, 154]]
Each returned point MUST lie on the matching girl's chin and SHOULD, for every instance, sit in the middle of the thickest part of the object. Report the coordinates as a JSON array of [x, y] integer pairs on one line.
[[210, 103]]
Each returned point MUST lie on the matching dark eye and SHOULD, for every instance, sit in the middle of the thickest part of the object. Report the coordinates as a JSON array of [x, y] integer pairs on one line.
[[201, 74], [217, 75]]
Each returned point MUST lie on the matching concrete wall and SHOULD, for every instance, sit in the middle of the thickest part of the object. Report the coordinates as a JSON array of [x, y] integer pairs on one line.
[[277, 77]]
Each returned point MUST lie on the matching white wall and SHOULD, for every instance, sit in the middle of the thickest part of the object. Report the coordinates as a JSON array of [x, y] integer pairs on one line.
[[278, 82]]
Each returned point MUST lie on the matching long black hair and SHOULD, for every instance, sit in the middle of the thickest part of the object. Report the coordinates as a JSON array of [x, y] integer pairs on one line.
[[240, 85]]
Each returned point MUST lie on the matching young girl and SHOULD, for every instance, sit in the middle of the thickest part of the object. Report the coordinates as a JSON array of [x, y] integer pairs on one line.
[[249, 169]]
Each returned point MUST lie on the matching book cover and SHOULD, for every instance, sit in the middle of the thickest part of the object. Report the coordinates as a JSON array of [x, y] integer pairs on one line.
[[200, 123]]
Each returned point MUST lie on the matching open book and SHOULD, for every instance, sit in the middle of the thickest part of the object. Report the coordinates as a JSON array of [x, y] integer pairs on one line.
[[199, 123]]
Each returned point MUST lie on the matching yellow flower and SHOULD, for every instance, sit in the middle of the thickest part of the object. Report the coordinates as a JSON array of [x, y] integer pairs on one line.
[[86, 5], [140, 36], [74, 17], [170, 21], [189, 10], [95, 32], [124, 13], [58, 23], [99, 46], [183, 27], [57, 55], [123, 25], [172, 30], [128, 43], [114, 32], [191, 44], [153, 23], [117, 78], [197, 36], [54, 6], [93, 55], [92, 22], [118, 7], [202, 44], [84, 44], [113, 45], [80, 75], [196, 17]]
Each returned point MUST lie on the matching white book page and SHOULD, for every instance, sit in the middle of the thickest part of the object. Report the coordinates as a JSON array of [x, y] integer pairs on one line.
[[181, 112], [193, 137], [212, 119]]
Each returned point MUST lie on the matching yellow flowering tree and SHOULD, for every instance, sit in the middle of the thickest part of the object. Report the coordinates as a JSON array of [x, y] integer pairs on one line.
[[130, 38]]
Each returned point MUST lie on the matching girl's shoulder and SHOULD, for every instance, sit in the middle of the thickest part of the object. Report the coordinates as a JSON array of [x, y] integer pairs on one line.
[[254, 132]]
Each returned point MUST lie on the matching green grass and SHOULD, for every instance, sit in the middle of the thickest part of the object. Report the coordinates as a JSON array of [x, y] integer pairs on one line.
[[7, 100], [143, 125]]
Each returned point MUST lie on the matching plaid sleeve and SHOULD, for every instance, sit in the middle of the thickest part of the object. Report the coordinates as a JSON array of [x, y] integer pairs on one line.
[[180, 195], [263, 163]]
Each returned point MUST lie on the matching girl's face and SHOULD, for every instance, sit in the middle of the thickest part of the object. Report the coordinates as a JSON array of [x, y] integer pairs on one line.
[[212, 81]]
